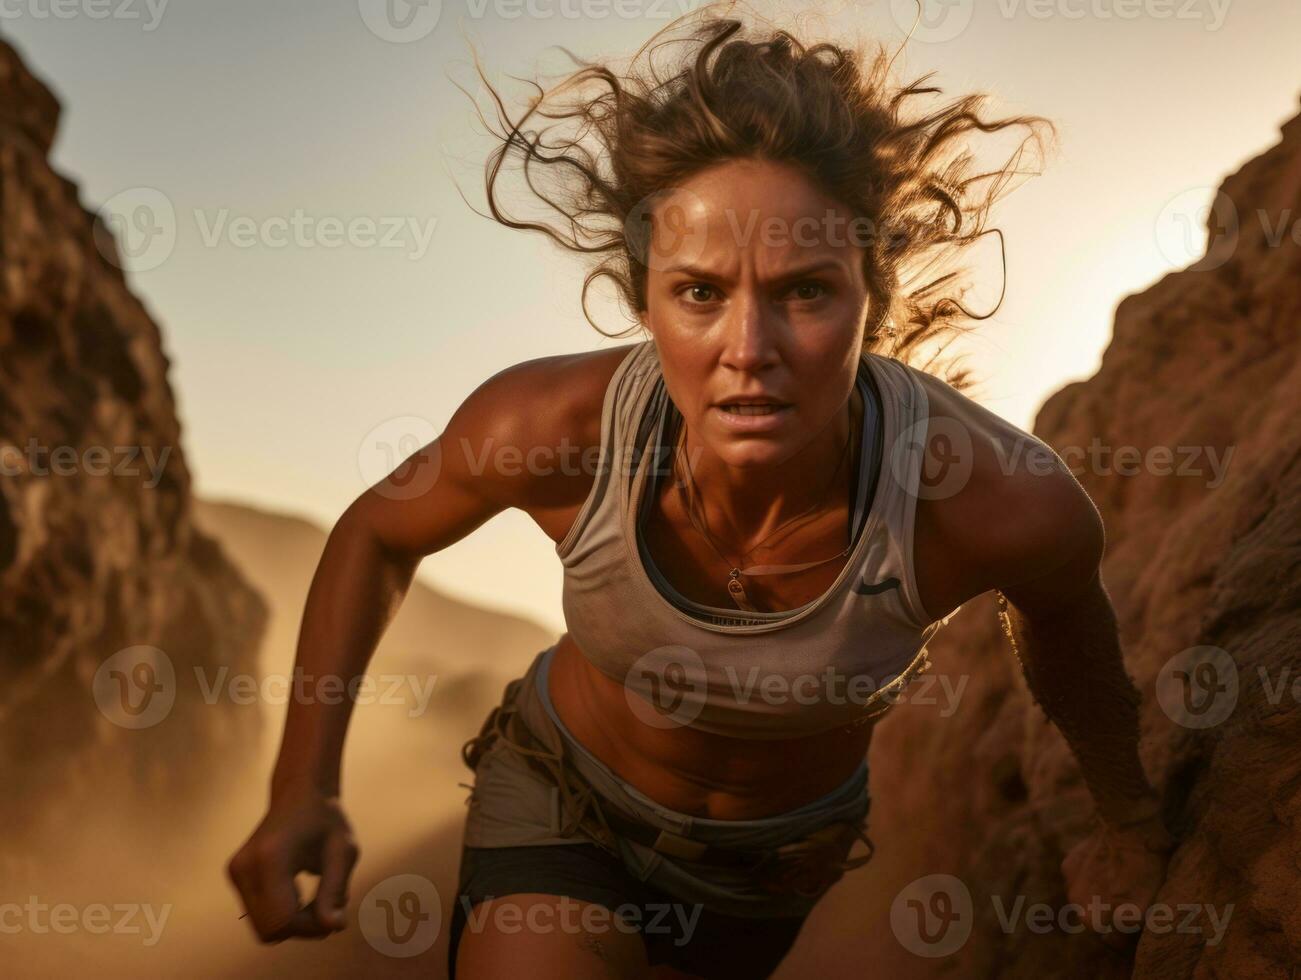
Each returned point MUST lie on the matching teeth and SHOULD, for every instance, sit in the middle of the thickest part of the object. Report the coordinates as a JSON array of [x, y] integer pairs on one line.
[[750, 409]]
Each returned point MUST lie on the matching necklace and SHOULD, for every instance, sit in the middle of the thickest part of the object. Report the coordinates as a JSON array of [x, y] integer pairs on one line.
[[690, 495]]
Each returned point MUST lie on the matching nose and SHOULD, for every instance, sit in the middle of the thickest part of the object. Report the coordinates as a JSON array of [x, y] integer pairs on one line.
[[750, 334]]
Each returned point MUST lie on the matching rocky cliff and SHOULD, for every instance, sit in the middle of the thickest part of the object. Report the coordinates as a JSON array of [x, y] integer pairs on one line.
[[1203, 515], [98, 553]]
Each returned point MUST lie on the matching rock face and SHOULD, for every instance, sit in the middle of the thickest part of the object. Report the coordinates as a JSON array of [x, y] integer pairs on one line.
[[1204, 567], [97, 548]]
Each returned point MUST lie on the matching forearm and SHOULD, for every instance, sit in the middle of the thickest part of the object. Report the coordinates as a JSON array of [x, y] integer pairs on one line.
[[355, 592], [1075, 671]]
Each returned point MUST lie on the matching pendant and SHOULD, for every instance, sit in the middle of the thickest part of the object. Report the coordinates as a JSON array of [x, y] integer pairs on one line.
[[737, 591]]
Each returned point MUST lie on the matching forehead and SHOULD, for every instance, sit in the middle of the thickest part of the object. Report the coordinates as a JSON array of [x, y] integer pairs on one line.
[[768, 211]]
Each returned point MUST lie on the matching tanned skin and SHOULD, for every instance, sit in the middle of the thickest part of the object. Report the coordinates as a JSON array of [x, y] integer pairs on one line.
[[729, 318]]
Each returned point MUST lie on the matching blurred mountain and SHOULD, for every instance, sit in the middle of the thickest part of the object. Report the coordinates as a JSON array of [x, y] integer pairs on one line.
[[473, 650]]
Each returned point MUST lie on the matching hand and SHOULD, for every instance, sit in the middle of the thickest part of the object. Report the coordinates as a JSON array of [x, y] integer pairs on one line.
[[1113, 866], [304, 830]]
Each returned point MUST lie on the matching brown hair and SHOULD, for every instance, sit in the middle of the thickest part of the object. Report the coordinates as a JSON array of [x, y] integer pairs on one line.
[[825, 108]]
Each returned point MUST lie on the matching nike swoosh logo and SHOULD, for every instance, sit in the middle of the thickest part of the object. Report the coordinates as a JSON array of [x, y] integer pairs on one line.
[[862, 588]]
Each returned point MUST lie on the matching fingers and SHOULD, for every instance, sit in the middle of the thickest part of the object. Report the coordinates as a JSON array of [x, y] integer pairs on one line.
[[329, 907], [262, 874]]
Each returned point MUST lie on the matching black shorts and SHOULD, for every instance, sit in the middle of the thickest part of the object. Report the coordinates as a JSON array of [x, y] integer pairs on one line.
[[709, 944]]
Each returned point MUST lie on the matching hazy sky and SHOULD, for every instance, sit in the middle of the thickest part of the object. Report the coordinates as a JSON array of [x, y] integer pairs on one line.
[[239, 120]]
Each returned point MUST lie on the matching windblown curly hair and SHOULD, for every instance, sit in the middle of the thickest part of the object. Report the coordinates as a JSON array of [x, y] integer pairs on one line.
[[733, 92]]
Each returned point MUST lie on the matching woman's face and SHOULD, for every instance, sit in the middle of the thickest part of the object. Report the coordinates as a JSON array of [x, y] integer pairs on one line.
[[756, 300]]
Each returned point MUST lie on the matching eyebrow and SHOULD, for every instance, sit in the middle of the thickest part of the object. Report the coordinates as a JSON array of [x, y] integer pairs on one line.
[[797, 273]]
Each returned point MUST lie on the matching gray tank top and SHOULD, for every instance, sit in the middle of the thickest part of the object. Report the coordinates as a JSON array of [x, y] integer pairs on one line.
[[667, 419], [833, 661]]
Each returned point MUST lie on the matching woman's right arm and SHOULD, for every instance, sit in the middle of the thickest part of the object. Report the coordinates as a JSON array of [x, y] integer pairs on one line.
[[434, 498]]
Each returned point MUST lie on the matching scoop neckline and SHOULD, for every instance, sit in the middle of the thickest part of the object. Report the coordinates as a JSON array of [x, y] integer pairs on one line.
[[632, 550]]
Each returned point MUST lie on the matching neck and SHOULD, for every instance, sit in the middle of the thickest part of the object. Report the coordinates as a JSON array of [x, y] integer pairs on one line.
[[743, 505]]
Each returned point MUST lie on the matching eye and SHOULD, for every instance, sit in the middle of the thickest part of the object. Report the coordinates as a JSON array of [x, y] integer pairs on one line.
[[695, 289], [813, 286]]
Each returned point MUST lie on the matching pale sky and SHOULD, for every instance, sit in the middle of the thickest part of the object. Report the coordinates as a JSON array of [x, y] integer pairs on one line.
[[289, 356]]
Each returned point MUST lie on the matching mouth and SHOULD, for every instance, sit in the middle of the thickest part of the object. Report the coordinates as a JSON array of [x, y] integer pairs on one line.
[[752, 406]]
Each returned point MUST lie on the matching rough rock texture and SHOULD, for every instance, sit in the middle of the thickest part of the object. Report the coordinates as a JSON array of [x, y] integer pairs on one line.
[[1207, 357], [97, 552]]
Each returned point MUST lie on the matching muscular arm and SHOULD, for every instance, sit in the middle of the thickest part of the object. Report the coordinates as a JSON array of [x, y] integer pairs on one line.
[[436, 496], [1056, 611], [1023, 526], [1070, 653]]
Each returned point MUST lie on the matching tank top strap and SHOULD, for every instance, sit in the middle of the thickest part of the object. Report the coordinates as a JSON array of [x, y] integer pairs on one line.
[[625, 396], [901, 480]]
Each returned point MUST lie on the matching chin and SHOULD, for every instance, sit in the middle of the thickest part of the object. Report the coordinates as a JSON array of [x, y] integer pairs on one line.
[[752, 450]]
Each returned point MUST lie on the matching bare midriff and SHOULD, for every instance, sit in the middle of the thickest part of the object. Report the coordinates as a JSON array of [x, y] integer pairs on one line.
[[692, 771]]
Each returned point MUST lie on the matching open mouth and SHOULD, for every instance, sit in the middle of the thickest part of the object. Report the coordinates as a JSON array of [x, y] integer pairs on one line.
[[752, 408]]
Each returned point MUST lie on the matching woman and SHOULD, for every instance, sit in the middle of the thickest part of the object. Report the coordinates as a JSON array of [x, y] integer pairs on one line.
[[754, 553]]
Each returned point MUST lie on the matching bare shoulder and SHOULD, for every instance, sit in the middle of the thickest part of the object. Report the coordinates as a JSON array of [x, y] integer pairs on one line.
[[1000, 505], [527, 438], [527, 433]]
